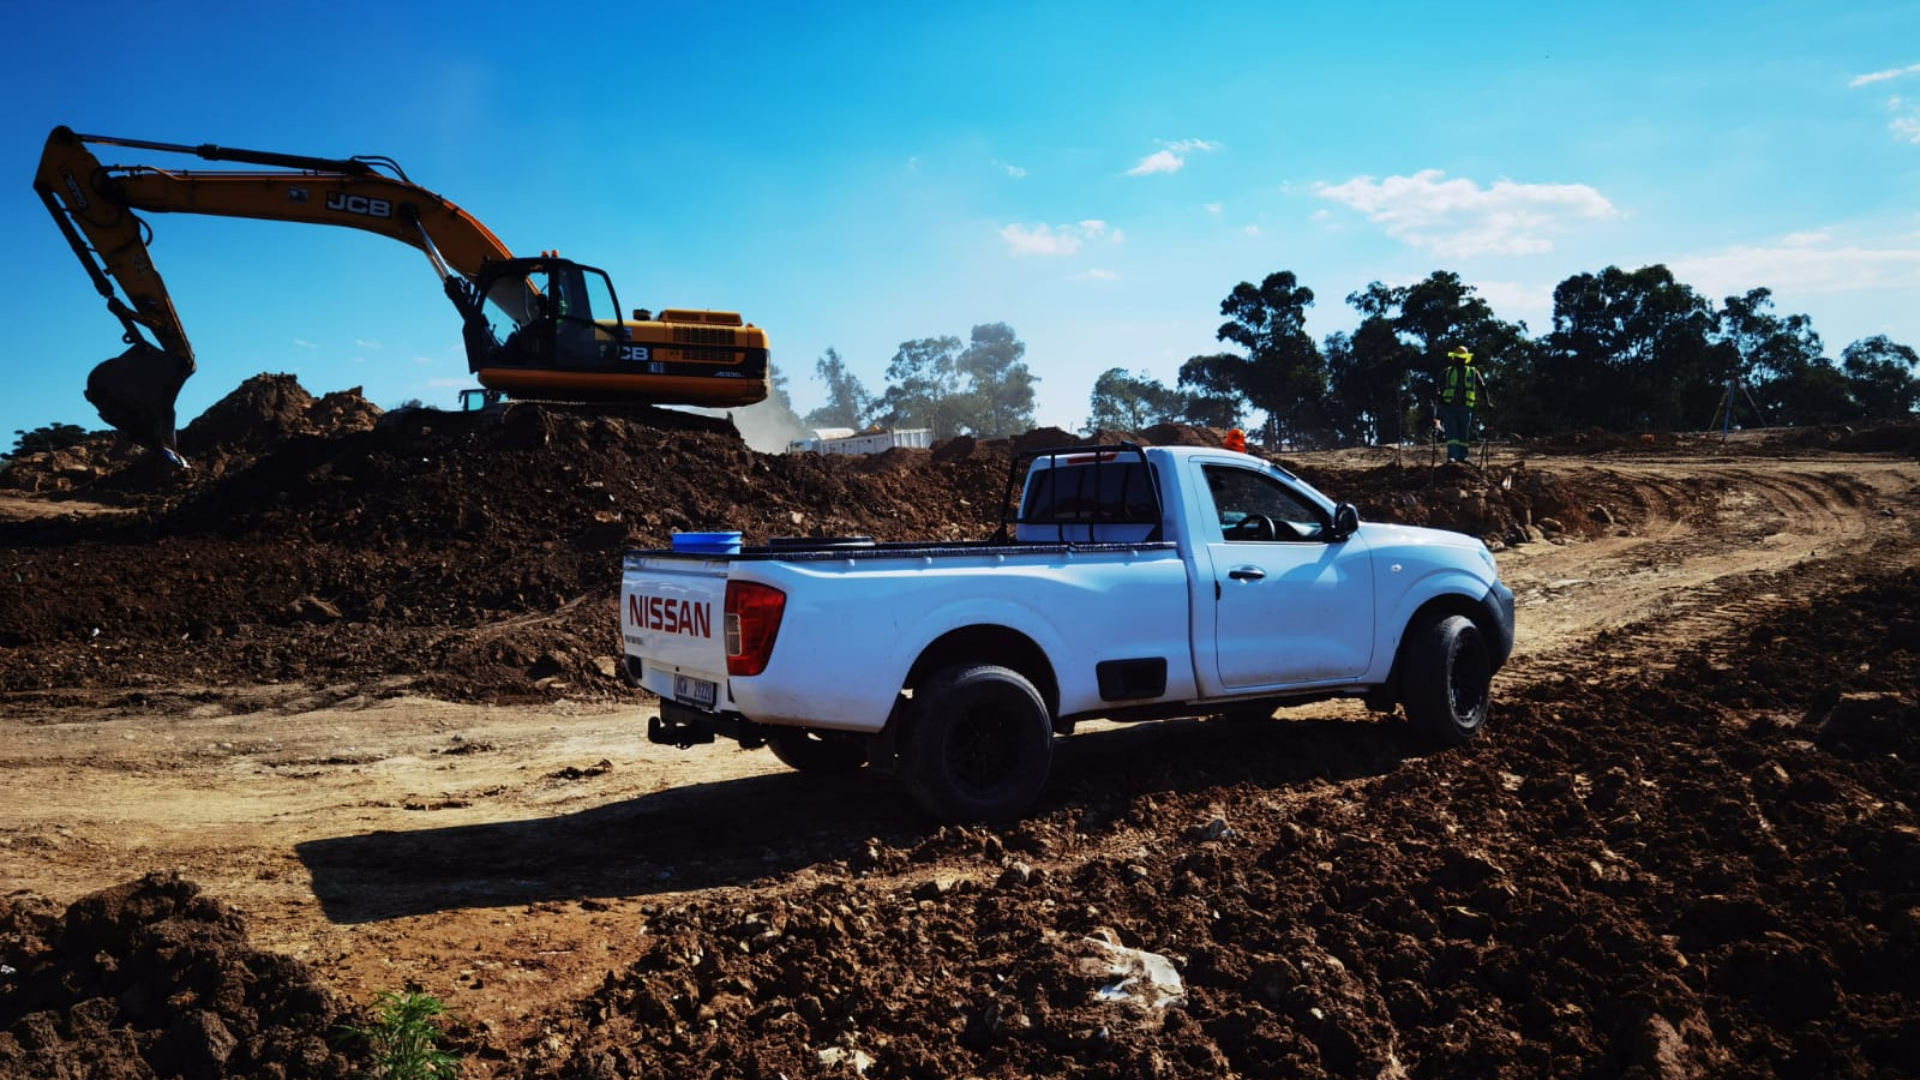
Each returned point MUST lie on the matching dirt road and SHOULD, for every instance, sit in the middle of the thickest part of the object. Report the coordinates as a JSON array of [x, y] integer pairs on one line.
[[519, 859]]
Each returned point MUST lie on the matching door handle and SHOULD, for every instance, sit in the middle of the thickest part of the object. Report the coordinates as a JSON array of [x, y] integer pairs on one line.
[[1246, 573]]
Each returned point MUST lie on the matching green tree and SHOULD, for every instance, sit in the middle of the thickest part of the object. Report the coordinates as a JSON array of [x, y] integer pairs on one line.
[[1369, 383], [999, 397], [1883, 377], [1215, 389], [1283, 373], [922, 384], [1631, 351], [1123, 402], [847, 400], [1783, 364]]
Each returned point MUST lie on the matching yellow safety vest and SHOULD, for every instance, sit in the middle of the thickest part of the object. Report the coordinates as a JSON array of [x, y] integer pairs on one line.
[[1459, 387]]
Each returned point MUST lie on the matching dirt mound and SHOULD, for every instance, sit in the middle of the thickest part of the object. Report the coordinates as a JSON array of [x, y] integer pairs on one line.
[[470, 554], [1182, 435], [152, 979], [53, 471], [264, 412], [267, 411]]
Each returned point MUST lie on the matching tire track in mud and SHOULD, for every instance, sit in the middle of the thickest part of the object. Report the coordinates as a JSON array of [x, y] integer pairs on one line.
[[1700, 558]]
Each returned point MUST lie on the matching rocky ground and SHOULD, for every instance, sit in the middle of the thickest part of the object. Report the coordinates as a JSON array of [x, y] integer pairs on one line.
[[336, 712]]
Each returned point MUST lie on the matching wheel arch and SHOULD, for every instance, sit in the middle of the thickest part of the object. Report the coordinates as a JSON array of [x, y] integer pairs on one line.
[[1439, 607], [989, 644]]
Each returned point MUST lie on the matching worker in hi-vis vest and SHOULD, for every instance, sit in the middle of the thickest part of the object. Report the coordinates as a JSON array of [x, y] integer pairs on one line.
[[1461, 391]]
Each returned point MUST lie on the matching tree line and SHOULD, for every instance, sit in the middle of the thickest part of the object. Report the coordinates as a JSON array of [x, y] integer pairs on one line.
[[982, 387], [1628, 351]]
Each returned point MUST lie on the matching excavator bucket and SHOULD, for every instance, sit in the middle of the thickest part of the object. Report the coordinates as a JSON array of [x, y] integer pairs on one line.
[[135, 392]]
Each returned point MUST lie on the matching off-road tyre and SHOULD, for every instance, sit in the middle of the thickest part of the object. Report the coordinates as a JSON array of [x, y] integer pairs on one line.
[[979, 745], [820, 753], [1446, 680]]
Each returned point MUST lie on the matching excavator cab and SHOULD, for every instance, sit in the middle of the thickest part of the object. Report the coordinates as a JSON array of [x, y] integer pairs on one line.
[[545, 313]]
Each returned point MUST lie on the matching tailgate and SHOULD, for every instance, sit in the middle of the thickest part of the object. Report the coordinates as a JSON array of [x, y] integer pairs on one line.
[[673, 618]]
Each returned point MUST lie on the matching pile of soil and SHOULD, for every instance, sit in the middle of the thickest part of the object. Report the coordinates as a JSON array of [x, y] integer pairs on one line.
[[1715, 871], [153, 979], [475, 556], [262, 414]]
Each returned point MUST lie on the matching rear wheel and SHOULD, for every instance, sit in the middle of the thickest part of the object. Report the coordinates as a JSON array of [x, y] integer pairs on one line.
[[1447, 679], [980, 744], [825, 753]]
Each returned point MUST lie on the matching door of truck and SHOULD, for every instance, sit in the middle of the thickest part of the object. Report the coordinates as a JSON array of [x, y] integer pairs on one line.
[[1293, 605]]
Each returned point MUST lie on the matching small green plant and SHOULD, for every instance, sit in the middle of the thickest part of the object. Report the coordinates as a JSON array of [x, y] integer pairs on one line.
[[404, 1039]]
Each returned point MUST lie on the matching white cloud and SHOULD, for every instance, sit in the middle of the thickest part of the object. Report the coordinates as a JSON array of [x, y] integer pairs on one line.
[[1041, 239], [1251, 230], [1906, 121], [1057, 239], [1806, 239], [1883, 76], [1321, 214], [450, 384], [1014, 171], [1173, 158], [423, 359], [358, 344], [1803, 269], [1213, 208], [1459, 218], [1097, 274], [304, 343], [1159, 162], [1905, 124]]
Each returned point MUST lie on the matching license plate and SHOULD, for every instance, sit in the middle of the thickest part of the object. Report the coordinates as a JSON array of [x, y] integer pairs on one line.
[[695, 691]]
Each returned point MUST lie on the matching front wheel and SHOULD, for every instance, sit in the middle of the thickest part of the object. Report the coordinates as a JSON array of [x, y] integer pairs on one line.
[[980, 744], [823, 753], [1448, 679]]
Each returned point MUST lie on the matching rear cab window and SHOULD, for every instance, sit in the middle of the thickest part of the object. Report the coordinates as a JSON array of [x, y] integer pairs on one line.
[[1101, 497]]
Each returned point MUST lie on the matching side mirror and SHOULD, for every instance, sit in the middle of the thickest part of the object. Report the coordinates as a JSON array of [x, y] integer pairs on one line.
[[1346, 521]]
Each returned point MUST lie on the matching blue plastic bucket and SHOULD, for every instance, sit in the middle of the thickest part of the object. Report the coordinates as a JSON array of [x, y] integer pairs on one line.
[[707, 543]]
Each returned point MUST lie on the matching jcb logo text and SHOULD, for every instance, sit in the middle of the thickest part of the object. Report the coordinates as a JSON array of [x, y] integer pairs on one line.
[[359, 204]]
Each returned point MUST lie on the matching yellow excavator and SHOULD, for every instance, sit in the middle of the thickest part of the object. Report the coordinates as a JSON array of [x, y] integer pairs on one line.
[[535, 328]]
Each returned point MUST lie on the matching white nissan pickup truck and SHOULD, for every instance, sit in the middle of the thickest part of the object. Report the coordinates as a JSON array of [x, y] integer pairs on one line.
[[1125, 583]]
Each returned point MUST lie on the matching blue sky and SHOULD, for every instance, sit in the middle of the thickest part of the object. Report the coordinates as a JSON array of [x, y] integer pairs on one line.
[[1098, 176]]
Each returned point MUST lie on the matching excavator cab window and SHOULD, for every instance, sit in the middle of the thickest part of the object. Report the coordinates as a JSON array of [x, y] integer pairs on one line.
[[561, 304]]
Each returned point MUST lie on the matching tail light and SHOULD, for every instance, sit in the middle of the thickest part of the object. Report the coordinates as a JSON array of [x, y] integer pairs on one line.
[[753, 621]]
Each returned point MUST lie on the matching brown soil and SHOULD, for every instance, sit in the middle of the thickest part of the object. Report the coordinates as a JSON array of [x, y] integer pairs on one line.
[[353, 676]]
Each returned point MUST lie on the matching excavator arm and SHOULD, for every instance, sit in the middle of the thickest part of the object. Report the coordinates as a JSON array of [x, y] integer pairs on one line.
[[560, 345], [96, 207]]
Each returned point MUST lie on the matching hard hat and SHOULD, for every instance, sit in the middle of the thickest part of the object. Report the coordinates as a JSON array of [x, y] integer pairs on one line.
[[1461, 352]]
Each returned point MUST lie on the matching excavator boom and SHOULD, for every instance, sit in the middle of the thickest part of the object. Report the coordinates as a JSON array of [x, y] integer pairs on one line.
[[564, 340]]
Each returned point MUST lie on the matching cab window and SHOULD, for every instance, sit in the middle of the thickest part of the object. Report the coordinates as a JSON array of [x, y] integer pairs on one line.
[[1255, 507]]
